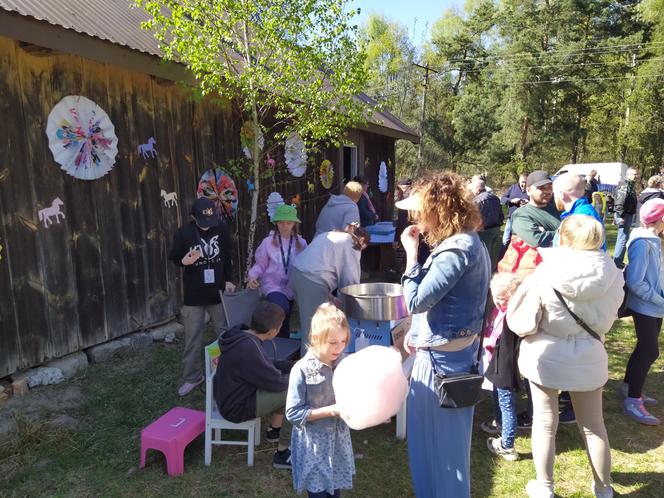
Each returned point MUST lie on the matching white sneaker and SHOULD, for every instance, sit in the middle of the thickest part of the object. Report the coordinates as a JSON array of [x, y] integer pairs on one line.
[[535, 489], [495, 445], [607, 493]]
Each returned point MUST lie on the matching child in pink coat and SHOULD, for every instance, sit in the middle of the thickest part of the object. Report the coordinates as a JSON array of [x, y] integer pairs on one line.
[[274, 258]]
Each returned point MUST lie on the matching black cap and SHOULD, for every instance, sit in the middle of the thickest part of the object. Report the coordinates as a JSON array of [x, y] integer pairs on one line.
[[205, 213], [405, 181], [537, 179]]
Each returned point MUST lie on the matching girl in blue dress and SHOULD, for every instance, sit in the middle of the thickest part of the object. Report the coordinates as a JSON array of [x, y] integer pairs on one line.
[[321, 449]]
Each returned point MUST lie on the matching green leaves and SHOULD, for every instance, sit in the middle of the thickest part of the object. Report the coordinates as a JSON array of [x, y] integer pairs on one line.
[[296, 57]]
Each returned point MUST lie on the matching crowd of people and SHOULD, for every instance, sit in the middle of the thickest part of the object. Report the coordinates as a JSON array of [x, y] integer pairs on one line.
[[534, 301]]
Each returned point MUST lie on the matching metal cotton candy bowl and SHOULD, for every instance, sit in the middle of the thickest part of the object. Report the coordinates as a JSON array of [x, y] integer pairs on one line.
[[376, 301]]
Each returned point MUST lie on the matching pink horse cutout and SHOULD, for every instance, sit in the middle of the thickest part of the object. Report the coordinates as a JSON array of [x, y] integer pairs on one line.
[[46, 214]]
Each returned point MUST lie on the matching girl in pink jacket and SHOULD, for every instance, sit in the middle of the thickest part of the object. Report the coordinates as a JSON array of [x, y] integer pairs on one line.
[[274, 258]]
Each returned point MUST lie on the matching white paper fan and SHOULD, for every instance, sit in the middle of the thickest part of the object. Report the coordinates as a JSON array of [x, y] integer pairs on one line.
[[295, 155], [273, 200], [81, 138], [382, 177]]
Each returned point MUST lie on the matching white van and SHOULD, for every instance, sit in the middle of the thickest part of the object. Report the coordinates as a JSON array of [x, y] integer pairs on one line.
[[608, 174]]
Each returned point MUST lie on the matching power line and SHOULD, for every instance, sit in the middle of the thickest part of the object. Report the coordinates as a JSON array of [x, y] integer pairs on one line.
[[574, 80], [583, 51], [599, 64]]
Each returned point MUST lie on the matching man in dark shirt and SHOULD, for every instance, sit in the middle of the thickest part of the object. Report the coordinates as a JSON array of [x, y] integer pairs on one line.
[[592, 185], [492, 217], [515, 197], [624, 210], [204, 248]]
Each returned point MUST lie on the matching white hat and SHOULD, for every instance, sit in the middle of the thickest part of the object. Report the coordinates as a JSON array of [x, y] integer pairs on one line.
[[411, 203]]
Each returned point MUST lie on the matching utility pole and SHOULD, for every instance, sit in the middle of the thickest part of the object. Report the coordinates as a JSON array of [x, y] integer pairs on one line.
[[420, 152]]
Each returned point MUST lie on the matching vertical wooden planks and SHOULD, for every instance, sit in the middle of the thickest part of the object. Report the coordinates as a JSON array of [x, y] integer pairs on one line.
[[132, 233], [14, 186], [56, 242]]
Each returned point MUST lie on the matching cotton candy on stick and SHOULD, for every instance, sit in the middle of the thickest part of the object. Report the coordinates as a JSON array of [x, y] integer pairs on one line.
[[369, 386]]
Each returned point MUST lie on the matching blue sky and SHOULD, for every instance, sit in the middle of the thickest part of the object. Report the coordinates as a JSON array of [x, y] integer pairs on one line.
[[407, 12]]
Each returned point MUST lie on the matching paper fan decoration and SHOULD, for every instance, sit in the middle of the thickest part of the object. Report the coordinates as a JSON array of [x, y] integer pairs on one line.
[[220, 188], [295, 155], [273, 200], [81, 138], [247, 139], [382, 177], [326, 174]]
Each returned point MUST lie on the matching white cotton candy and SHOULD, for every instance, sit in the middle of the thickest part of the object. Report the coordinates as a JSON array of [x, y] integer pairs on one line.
[[369, 386]]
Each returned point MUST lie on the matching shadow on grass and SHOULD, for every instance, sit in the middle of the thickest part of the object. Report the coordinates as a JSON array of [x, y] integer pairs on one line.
[[646, 484]]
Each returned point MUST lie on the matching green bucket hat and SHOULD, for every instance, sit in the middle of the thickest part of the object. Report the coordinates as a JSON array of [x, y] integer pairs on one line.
[[285, 212]]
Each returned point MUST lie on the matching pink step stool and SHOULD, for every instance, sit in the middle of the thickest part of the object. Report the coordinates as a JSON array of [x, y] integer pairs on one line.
[[170, 434]]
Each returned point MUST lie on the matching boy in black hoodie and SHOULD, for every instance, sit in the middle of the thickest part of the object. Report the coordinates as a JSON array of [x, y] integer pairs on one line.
[[247, 384]]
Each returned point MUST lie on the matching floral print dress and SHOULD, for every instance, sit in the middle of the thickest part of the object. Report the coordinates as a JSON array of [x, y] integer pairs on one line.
[[321, 451]]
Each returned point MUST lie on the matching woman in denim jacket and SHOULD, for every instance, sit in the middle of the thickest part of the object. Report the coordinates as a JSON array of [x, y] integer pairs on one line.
[[446, 296]]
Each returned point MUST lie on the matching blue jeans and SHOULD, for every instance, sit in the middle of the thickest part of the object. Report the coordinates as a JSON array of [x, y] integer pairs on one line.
[[324, 494], [439, 438], [505, 414], [621, 241], [285, 304]]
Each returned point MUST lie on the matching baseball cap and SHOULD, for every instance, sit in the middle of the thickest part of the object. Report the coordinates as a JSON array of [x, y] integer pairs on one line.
[[205, 213], [652, 211], [537, 179]]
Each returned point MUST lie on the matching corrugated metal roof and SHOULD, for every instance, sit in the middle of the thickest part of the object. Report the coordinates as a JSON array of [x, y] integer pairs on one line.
[[119, 22], [116, 21]]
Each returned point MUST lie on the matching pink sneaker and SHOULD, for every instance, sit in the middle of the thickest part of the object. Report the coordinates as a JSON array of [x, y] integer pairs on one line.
[[187, 387], [633, 408]]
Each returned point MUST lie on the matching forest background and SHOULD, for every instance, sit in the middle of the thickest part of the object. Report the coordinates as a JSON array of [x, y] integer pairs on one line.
[[516, 85]]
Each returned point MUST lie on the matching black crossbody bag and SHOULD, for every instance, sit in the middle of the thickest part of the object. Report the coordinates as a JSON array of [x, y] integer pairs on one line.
[[576, 317], [461, 390]]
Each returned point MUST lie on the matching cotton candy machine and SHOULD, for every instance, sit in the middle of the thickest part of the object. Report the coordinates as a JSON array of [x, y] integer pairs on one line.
[[374, 301]]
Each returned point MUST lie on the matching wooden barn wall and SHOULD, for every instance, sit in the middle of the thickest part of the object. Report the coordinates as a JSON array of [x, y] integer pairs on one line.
[[103, 271], [374, 150]]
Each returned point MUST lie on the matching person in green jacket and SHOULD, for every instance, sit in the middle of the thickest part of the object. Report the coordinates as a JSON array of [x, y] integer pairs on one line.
[[537, 222]]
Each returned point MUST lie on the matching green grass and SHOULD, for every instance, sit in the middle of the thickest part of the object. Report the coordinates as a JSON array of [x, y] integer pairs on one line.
[[100, 456]]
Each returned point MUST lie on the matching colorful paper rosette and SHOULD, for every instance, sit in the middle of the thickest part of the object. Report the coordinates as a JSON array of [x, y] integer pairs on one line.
[[326, 174], [247, 136], [82, 138], [216, 185]]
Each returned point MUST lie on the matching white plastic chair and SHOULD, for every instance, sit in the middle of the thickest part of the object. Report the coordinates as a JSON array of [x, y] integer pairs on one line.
[[214, 420]]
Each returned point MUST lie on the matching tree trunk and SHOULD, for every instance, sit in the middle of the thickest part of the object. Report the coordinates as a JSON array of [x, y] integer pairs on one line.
[[256, 158]]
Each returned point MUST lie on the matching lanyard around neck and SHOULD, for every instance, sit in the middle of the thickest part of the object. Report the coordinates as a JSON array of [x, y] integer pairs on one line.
[[285, 259]]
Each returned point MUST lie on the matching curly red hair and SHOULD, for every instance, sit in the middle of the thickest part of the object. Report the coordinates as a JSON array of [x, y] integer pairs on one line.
[[447, 206]]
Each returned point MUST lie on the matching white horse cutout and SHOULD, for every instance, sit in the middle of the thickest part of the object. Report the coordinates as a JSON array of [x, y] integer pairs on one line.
[[170, 198], [148, 149], [46, 214]]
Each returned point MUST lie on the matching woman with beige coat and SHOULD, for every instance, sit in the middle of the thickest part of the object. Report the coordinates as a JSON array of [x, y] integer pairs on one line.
[[559, 354]]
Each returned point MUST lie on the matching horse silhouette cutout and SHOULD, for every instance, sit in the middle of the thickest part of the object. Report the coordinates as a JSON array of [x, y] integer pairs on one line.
[[46, 214], [170, 198], [148, 149]]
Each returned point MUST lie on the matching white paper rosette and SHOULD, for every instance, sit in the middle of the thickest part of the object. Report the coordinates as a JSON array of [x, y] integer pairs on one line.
[[295, 155], [382, 177], [81, 138], [273, 200]]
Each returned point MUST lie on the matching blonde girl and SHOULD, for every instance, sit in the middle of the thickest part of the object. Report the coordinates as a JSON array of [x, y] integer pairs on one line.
[[321, 449]]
